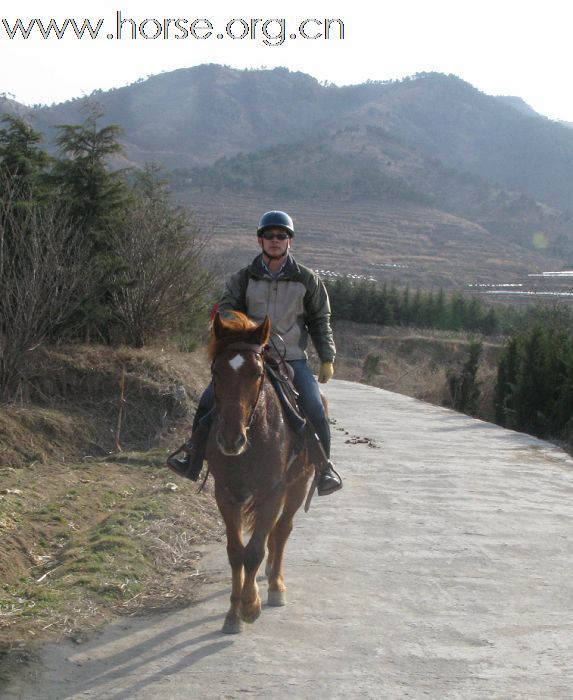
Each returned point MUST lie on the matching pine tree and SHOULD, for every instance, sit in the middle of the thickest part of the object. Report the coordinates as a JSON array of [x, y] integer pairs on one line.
[[417, 306], [534, 390], [562, 415], [507, 372], [22, 163], [457, 316], [405, 308], [490, 323], [464, 387], [94, 197], [93, 194]]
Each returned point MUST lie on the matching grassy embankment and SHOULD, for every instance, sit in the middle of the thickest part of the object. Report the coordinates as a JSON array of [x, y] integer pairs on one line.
[[87, 531]]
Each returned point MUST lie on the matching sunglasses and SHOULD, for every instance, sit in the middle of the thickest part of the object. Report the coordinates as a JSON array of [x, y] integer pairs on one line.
[[268, 236]]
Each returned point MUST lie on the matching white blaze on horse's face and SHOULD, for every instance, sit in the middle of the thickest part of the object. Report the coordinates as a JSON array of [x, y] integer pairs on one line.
[[237, 362]]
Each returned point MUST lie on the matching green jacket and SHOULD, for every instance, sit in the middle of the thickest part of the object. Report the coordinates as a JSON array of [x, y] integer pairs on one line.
[[296, 302]]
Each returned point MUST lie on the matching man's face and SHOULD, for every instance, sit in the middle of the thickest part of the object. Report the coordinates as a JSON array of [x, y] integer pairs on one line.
[[275, 242]]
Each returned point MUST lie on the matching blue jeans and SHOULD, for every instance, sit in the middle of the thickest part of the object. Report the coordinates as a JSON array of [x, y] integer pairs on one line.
[[309, 400]]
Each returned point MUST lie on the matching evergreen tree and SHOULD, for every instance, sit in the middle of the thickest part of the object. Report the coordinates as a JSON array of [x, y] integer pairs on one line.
[[366, 303], [457, 316], [474, 315], [340, 292], [535, 387], [439, 312], [563, 406], [507, 372], [22, 163], [490, 323], [393, 301], [417, 307], [95, 197], [405, 308], [463, 386]]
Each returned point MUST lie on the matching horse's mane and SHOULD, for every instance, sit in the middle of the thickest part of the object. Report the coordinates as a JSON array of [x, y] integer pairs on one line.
[[237, 327]]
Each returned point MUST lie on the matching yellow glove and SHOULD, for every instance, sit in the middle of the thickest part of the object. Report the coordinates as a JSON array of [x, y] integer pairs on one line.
[[326, 372]]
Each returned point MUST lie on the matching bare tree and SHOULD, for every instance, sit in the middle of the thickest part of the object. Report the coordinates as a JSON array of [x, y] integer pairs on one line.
[[165, 278], [43, 281]]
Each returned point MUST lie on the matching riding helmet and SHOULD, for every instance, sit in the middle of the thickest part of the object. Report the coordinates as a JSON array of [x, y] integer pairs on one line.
[[279, 219]]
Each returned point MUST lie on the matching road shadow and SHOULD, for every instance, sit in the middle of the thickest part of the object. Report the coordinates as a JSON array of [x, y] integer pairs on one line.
[[138, 660]]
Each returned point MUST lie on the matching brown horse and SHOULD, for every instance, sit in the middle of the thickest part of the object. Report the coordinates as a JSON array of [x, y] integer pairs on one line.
[[259, 481]]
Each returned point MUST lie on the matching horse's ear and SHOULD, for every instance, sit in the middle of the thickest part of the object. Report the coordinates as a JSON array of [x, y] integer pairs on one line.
[[262, 333], [217, 326]]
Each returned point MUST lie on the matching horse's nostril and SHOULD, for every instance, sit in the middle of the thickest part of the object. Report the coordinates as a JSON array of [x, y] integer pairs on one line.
[[230, 444]]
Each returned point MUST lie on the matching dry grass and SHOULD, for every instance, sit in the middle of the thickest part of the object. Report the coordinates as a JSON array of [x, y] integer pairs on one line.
[[87, 533], [411, 362], [81, 543], [69, 401]]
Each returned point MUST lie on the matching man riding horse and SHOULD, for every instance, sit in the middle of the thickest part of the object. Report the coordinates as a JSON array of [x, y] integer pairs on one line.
[[296, 301]]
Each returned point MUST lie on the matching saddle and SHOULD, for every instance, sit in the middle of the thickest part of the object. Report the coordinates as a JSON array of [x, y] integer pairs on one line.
[[281, 376]]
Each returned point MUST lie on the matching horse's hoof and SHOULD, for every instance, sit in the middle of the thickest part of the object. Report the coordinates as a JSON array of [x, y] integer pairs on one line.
[[277, 599], [251, 613], [232, 625]]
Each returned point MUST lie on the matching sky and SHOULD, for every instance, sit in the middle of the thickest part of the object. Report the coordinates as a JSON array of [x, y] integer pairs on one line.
[[502, 48]]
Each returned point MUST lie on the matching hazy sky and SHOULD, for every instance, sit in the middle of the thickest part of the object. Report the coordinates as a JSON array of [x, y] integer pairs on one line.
[[502, 47]]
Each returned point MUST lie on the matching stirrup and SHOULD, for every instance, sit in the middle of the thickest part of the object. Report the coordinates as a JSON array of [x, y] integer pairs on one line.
[[176, 465], [335, 479]]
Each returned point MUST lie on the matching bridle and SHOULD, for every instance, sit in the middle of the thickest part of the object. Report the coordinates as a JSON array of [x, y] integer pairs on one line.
[[242, 346]]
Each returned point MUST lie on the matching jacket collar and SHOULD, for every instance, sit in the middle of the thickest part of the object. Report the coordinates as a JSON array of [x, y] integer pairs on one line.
[[290, 269]]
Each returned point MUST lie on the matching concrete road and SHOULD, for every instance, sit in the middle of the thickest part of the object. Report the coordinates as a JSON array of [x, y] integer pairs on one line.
[[442, 570]]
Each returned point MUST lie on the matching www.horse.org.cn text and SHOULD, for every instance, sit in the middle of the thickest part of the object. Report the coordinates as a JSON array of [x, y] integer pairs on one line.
[[270, 32]]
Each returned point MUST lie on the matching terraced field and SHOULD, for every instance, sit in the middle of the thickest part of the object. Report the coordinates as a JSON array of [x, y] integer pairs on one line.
[[401, 244]]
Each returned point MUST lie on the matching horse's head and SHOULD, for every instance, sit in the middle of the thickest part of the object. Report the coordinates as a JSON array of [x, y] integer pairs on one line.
[[235, 350]]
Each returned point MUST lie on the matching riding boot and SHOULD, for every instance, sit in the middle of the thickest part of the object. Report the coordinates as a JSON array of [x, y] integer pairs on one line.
[[191, 464], [329, 480]]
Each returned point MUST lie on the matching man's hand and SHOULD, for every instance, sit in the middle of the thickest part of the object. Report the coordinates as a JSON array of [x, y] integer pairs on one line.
[[326, 372]]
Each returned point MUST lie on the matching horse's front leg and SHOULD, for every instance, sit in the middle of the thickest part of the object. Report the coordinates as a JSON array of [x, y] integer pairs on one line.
[[231, 513], [255, 553], [277, 542]]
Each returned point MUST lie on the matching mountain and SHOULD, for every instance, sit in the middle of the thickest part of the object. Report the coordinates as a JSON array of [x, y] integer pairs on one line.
[[519, 104], [369, 163], [13, 108], [195, 116], [369, 205], [426, 177], [449, 119]]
